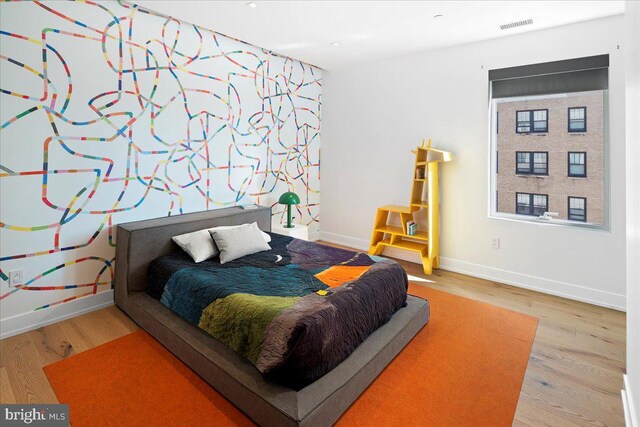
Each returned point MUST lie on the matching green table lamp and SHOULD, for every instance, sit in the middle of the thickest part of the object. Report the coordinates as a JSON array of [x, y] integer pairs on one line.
[[289, 198]]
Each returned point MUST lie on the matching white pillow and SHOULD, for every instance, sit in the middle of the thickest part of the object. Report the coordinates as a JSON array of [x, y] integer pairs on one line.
[[237, 242], [267, 237], [199, 244]]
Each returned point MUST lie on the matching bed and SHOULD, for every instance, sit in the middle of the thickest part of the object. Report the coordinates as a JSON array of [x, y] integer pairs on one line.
[[147, 259]]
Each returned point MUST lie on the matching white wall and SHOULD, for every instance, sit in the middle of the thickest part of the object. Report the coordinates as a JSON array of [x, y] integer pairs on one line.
[[375, 113], [632, 48]]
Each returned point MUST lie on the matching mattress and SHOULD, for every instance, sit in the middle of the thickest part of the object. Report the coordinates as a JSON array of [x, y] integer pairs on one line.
[[295, 311]]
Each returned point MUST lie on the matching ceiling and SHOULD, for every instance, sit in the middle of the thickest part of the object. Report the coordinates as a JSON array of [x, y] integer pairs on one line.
[[370, 30]]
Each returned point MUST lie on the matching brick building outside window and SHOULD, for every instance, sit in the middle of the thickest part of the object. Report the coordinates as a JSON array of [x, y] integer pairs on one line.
[[552, 146]]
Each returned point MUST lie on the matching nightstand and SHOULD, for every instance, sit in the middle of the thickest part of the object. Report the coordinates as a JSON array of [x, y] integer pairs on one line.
[[298, 231]]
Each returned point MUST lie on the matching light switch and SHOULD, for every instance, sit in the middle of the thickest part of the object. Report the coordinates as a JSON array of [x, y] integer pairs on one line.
[[15, 278]]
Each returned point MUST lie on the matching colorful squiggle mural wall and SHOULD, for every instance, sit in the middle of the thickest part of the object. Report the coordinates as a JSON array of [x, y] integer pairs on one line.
[[111, 114]]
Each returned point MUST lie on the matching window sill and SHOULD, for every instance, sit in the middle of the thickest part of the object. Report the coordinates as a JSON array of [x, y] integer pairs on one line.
[[531, 175], [530, 219]]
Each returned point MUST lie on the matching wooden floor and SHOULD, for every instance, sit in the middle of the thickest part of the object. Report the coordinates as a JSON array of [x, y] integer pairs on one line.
[[574, 375]]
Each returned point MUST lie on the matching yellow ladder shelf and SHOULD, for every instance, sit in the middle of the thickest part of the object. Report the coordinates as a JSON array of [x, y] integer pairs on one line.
[[424, 242]]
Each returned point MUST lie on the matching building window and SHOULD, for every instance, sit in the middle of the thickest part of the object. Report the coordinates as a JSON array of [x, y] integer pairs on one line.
[[523, 124], [531, 204], [540, 204], [523, 204], [578, 119], [529, 121], [578, 164], [540, 163], [540, 123], [532, 163], [523, 162], [577, 209]]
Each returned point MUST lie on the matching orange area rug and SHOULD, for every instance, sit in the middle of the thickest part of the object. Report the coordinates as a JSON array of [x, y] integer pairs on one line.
[[465, 368]]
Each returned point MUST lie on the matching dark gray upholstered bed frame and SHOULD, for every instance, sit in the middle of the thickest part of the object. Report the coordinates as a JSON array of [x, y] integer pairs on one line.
[[319, 404]]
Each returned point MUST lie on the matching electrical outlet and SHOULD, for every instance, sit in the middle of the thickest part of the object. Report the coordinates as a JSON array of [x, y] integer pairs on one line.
[[495, 243], [15, 278]]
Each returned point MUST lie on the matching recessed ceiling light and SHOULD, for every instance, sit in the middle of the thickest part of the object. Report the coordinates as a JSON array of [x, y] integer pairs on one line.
[[437, 16], [335, 44], [252, 4]]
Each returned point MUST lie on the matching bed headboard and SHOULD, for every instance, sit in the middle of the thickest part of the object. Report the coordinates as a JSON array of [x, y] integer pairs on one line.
[[138, 243]]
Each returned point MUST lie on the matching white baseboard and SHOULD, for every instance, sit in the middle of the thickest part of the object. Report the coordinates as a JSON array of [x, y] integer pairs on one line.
[[539, 284], [625, 408], [340, 239], [535, 283], [35, 319], [314, 235], [630, 414]]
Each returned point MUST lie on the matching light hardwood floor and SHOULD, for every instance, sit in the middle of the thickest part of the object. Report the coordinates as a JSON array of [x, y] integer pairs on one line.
[[574, 375]]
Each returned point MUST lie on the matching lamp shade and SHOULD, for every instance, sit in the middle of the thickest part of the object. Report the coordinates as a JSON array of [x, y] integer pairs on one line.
[[289, 198]]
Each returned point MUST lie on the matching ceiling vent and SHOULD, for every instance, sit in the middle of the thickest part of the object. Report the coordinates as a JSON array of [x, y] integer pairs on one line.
[[516, 24]]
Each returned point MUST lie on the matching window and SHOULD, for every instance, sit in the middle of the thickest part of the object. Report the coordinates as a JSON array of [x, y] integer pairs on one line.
[[532, 163], [578, 164], [578, 119], [523, 204], [548, 114], [539, 204], [531, 204], [540, 163], [577, 209], [532, 121], [540, 123], [523, 124], [523, 162]]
